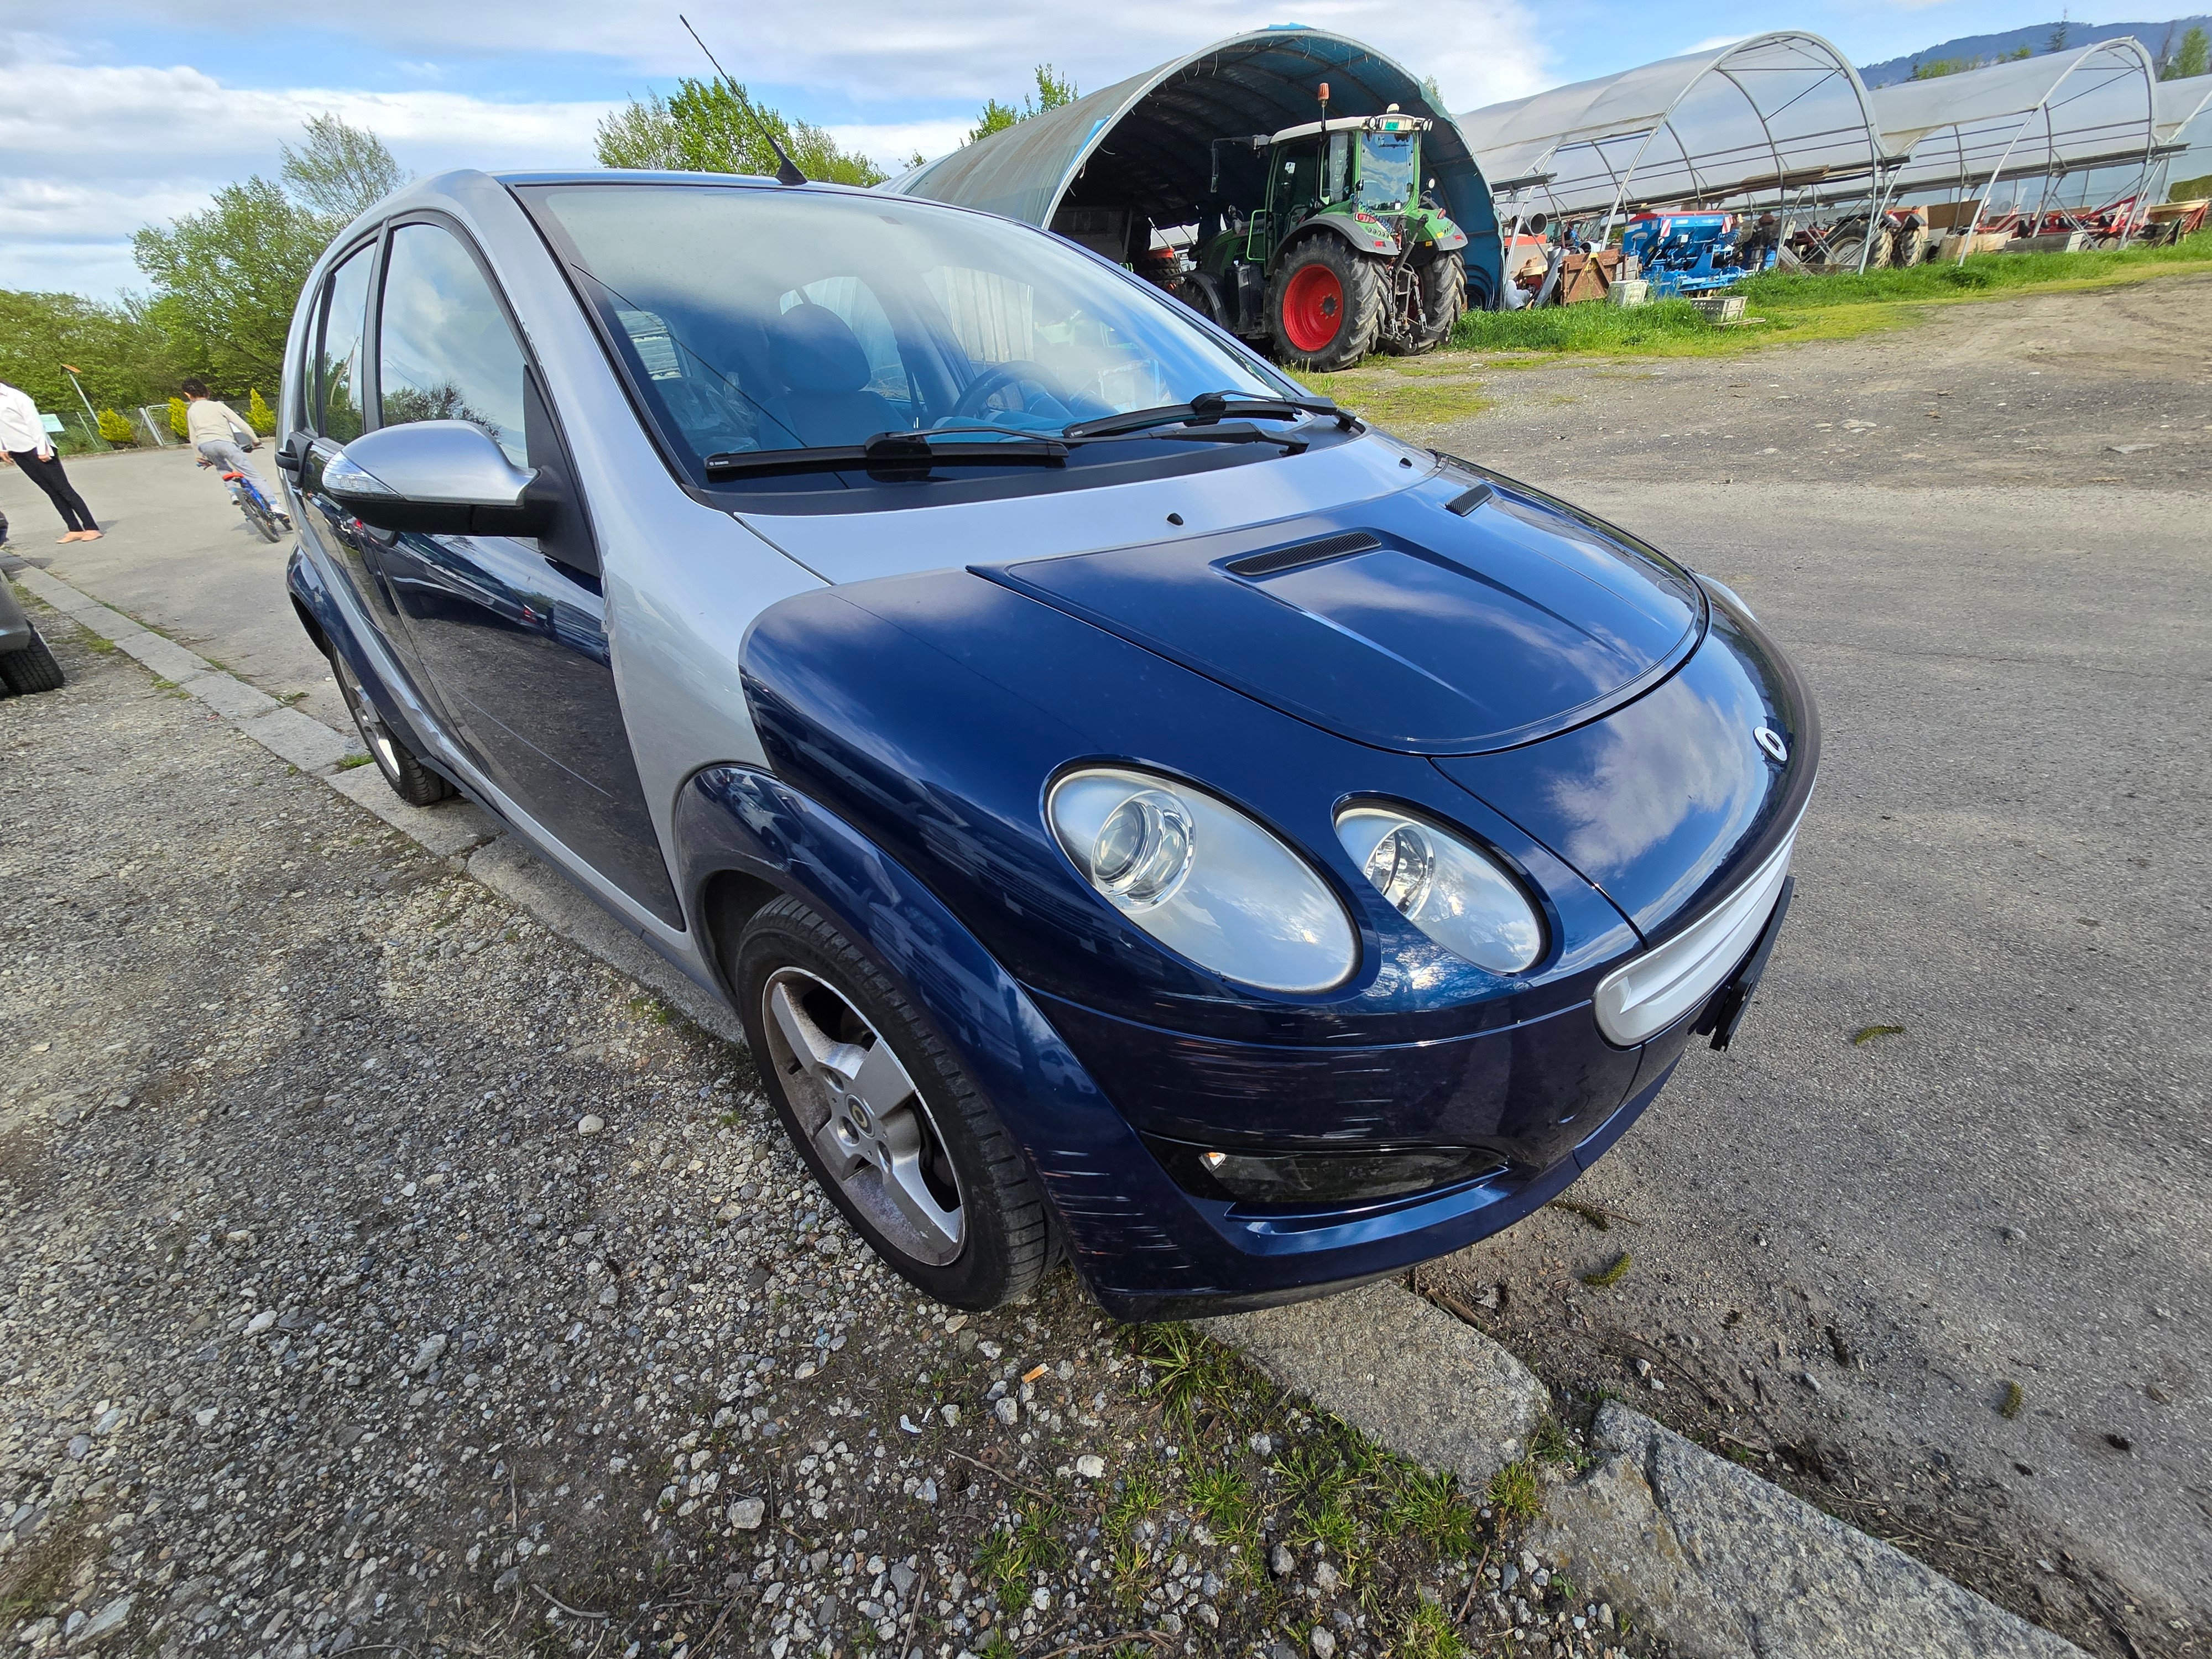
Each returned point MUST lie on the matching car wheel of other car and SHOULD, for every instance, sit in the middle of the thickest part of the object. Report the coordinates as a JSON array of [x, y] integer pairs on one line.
[[31, 669], [884, 1114], [412, 781], [1328, 304]]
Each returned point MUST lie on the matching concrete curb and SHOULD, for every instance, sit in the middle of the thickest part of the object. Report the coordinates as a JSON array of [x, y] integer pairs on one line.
[[1402, 1371], [1726, 1566], [1719, 1562]]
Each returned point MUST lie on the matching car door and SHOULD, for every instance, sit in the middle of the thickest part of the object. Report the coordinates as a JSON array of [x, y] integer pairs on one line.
[[509, 632]]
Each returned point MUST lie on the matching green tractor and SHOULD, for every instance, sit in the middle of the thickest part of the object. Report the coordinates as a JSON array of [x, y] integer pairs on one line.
[[1347, 255]]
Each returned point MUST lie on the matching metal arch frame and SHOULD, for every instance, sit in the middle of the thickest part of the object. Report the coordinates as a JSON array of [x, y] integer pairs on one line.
[[2043, 108], [1816, 48]]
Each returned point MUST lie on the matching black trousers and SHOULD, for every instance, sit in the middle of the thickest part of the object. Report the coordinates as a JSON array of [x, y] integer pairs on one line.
[[49, 476]]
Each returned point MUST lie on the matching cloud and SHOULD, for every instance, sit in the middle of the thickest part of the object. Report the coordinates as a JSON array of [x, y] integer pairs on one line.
[[97, 148]]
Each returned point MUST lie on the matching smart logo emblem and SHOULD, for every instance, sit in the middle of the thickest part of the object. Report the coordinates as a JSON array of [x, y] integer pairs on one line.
[[1771, 741]]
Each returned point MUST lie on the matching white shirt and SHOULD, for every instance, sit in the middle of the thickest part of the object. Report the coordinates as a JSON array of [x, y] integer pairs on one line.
[[21, 429], [206, 420]]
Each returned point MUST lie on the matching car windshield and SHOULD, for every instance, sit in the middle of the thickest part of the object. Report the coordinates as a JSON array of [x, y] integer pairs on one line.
[[1386, 169], [755, 318]]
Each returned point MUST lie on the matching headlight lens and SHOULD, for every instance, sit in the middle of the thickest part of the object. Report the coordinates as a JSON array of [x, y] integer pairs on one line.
[[1204, 879], [1451, 892]]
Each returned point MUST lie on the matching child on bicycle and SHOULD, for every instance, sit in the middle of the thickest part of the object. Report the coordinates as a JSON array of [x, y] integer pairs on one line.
[[210, 426]]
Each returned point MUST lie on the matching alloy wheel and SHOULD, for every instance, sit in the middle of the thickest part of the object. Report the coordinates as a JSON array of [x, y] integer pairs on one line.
[[866, 1120]]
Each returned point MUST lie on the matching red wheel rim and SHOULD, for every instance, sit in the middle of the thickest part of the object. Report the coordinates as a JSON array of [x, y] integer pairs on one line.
[[1313, 308]]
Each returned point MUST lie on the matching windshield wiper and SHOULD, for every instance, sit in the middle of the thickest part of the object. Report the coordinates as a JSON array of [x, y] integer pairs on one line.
[[890, 451], [1204, 408]]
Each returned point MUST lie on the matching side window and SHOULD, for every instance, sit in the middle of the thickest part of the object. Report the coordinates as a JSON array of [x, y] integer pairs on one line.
[[1339, 155], [445, 351], [337, 363]]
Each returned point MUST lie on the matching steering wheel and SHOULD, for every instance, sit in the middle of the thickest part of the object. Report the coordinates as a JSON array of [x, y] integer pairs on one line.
[[1001, 377]]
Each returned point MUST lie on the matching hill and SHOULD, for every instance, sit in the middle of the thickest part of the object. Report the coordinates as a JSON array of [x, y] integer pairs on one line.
[[2036, 38]]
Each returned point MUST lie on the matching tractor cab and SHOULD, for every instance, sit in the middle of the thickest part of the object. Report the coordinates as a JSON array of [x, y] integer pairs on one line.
[[1322, 239]]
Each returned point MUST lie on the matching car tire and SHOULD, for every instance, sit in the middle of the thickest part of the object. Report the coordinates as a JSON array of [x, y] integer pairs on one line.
[[886, 1116], [1325, 305], [412, 781], [32, 669]]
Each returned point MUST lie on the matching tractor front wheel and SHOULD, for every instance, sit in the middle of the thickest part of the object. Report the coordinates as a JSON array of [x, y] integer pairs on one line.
[[1328, 304], [1440, 286], [1203, 293]]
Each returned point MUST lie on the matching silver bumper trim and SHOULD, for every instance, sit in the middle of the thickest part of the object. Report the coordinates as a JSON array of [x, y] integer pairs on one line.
[[1642, 996]]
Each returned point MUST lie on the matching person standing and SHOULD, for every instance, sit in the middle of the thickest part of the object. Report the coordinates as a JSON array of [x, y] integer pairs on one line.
[[24, 436]]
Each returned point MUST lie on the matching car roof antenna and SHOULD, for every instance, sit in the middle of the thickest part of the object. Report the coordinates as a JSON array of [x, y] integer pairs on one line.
[[787, 170]]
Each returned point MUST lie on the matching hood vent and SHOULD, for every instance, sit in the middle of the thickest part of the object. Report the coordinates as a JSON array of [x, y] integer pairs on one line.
[[1302, 553]]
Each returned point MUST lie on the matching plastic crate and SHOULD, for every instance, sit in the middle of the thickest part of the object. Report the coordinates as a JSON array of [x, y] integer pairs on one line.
[[1720, 307], [1631, 291]]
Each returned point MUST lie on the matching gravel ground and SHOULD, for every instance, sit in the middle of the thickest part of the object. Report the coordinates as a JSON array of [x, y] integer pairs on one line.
[[385, 1274]]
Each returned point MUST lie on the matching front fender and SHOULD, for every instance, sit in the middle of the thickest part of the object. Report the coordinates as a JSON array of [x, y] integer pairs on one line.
[[1363, 237], [1115, 1205]]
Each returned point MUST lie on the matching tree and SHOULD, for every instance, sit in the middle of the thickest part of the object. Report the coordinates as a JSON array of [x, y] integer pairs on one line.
[[2060, 35], [714, 126], [179, 418], [229, 275], [259, 415], [340, 171], [125, 358], [115, 429], [1052, 91], [2179, 63]]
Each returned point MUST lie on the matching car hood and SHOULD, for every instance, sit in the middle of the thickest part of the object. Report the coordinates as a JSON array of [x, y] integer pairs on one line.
[[1462, 615]]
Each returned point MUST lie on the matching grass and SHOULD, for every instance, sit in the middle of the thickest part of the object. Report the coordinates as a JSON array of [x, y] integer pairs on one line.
[[1446, 387], [1432, 1510], [352, 761], [1429, 1635], [1516, 1491], [1012, 1556], [1606, 1278]]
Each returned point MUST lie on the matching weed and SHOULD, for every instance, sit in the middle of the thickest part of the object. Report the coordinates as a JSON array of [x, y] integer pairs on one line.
[[651, 1008], [1431, 1508], [2014, 1398], [996, 1646], [1223, 1500], [1331, 1525], [39, 1574], [99, 644], [1190, 1371], [1553, 1444], [1516, 1491], [352, 761], [1867, 1034], [1012, 1556], [1429, 1635], [1606, 1278], [1139, 1498]]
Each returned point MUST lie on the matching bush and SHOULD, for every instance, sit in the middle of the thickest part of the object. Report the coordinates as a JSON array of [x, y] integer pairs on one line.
[[259, 415], [115, 429], [179, 422]]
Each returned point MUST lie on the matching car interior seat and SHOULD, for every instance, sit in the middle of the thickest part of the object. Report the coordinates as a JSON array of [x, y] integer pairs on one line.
[[821, 361]]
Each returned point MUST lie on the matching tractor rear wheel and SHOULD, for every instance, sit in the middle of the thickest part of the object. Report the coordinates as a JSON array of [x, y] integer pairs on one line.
[[1327, 304]]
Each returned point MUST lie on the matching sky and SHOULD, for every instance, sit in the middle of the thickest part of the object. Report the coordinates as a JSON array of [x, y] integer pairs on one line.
[[117, 114]]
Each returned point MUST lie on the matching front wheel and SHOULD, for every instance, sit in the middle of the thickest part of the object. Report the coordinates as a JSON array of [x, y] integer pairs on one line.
[[884, 1114], [1327, 304], [1440, 287], [1202, 293], [412, 781]]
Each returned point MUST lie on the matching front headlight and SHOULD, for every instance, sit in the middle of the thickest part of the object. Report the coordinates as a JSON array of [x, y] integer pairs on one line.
[[1452, 893], [1203, 879]]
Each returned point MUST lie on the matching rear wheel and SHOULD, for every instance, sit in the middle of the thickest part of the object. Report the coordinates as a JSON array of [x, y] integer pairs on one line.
[[31, 669], [884, 1114], [412, 781], [1328, 304], [258, 515]]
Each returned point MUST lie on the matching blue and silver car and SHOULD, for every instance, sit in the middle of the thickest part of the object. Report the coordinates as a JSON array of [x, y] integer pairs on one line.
[[1140, 812]]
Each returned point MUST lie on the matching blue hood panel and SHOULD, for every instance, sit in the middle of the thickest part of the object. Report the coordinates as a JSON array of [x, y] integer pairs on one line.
[[1667, 803], [1425, 631]]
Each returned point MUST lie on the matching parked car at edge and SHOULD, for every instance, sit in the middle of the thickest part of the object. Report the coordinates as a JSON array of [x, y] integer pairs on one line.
[[1138, 810], [26, 664]]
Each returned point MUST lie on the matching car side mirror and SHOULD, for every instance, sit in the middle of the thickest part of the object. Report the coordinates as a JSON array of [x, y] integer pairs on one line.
[[437, 478]]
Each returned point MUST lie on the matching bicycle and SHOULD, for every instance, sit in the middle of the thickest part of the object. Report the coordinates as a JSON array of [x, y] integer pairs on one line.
[[271, 521]]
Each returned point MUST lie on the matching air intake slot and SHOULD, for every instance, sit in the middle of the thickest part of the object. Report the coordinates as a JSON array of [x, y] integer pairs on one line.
[[1305, 553], [1466, 504]]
